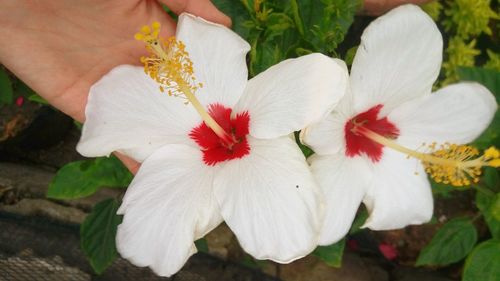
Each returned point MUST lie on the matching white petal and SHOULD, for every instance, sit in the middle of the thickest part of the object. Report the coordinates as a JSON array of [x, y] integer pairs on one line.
[[219, 59], [327, 136], [344, 182], [126, 111], [292, 94], [457, 114], [399, 194], [168, 205], [399, 59], [270, 200]]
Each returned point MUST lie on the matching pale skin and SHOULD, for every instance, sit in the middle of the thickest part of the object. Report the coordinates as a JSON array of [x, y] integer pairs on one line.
[[61, 47]]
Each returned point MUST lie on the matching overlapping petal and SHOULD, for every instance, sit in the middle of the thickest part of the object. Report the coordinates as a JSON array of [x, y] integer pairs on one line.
[[168, 205], [127, 111], [271, 201], [219, 59], [326, 137], [292, 94], [399, 59], [344, 182], [399, 193], [456, 114]]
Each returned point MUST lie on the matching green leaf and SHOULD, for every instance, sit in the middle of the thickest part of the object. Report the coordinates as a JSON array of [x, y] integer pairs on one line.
[[296, 16], [495, 208], [349, 56], [98, 232], [237, 12], [38, 99], [78, 125], [267, 53], [491, 136], [490, 79], [483, 264], [201, 245], [445, 190], [276, 24], [250, 262], [331, 255], [359, 221], [324, 22], [83, 178], [488, 205], [491, 178], [305, 149], [23, 89], [450, 244], [6, 91]]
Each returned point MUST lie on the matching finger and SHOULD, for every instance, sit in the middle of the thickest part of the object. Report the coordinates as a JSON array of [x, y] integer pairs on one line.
[[132, 165], [201, 8]]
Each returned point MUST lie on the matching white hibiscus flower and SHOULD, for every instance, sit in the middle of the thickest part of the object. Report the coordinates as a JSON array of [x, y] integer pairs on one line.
[[234, 163], [367, 149]]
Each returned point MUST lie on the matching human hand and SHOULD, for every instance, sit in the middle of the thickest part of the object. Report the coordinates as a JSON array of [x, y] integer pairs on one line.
[[61, 47]]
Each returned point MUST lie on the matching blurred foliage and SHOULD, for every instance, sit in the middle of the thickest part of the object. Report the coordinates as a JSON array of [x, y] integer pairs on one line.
[[459, 54], [6, 91], [493, 61], [278, 29], [467, 22], [468, 18], [12, 88], [491, 80], [433, 9]]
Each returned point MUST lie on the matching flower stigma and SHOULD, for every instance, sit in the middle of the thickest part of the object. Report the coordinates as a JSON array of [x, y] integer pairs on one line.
[[170, 66], [458, 165]]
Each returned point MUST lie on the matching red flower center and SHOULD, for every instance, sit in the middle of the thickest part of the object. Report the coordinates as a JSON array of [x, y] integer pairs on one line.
[[357, 143], [216, 149]]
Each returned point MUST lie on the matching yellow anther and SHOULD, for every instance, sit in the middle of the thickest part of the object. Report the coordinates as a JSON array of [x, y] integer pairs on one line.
[[139, 36], [145, 30], [149, 35], [156, 25]]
